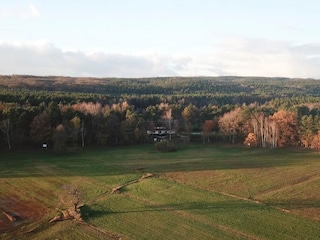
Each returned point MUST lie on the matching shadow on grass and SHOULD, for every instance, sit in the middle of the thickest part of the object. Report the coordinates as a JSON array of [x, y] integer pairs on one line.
[[119, 161], [295, 203], [236, 206], [97, 210], [88, 212]]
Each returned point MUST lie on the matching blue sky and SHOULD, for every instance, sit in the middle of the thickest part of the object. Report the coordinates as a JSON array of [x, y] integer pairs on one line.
[[140, 38]]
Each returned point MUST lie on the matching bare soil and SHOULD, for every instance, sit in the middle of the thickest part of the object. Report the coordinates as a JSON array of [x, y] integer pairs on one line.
[[24, 212]]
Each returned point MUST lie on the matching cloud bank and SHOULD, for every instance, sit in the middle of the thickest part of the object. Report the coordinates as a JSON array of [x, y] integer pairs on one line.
[[45, 59], [237, 57]]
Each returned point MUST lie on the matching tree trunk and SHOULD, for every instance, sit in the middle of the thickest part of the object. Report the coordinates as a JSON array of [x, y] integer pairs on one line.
[[83, 133], [6, 128]]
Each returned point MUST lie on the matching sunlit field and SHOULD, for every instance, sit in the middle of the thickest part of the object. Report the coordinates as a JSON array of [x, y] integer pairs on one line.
[[136, 192]]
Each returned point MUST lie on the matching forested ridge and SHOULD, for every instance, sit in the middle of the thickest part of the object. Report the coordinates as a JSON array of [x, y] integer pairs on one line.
[[114, 111], [166, 85]]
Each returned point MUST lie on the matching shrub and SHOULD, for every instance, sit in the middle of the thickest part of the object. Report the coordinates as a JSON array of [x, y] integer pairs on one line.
[[166, 146]]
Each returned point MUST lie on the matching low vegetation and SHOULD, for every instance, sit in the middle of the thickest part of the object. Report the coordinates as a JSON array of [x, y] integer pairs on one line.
[[136, 192], [166, 146]]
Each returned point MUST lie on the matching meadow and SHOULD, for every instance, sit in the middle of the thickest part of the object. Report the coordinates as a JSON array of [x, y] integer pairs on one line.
[[135, 192]]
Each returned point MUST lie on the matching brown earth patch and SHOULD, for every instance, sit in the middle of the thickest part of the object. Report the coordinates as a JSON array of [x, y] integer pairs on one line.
[[24, 212]]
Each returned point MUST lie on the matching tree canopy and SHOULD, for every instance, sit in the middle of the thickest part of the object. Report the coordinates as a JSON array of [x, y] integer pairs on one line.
[[265, 112]]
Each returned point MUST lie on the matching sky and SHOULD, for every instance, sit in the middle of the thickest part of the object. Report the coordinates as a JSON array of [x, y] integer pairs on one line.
[[160, 38]]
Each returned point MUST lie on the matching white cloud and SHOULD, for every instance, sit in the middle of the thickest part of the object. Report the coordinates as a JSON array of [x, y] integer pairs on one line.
[[45, 59], [257, 57], [239, 57], [24, 12], [30, 12]]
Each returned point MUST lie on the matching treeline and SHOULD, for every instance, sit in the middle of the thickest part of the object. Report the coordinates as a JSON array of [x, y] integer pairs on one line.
[[258, 86], [62, 111]]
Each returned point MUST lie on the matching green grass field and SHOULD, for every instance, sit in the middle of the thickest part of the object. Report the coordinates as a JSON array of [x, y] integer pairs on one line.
[[198, 192]]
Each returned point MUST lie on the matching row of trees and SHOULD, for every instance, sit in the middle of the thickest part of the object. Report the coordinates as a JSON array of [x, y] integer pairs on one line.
[[280, 129], [84, 123]]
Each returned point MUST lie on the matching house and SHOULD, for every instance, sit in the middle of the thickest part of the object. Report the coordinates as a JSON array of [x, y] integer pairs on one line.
[[160, 133]]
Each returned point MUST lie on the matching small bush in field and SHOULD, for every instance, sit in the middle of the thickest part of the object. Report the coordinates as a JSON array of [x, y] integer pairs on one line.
[[166, 146]]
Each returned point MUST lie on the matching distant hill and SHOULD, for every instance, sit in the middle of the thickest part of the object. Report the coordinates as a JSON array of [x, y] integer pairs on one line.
[[268, 87]]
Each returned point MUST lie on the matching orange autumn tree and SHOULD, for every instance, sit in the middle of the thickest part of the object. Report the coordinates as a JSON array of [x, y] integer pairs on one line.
[[315, 144], [251, 140], [208, 127], [316, 140], [287, 127], [230, 124]]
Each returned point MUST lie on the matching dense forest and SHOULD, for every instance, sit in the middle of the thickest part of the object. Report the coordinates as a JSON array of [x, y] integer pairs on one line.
[[66, 111]]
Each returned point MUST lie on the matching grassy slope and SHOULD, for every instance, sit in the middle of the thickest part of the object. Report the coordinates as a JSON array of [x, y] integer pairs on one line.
[[197, 192]]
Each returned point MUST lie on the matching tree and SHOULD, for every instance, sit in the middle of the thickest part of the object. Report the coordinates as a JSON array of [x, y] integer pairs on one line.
[[40, 128], [128, 127], [24, 120], [188, 115], [113, 126], [140, 131], [315, 144], [12, 125], [54, 113], [251, 140], [306, 130], [230, 124], [154, 113], [75, 126], [286, 123], [101, 133], [5, 128], [208, 126], [83, 131], [60, 139], [167, 117]]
